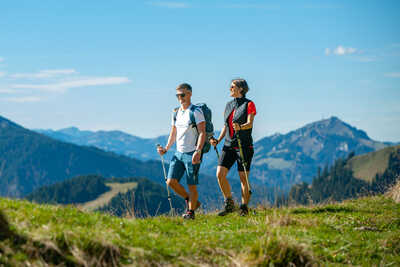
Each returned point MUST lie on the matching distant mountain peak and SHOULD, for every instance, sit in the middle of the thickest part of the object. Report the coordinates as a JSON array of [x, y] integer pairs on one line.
[[5, 123], [333, 126], [71, 129]]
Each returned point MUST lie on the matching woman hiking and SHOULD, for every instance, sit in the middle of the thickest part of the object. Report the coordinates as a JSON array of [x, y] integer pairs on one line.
[[238, 123]]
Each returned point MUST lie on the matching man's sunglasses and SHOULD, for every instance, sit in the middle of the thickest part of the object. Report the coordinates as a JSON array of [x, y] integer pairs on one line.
[[180, 95]]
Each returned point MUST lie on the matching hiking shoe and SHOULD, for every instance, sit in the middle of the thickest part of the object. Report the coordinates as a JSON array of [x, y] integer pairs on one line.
[[244, 210], [229, 207], [189, 215]]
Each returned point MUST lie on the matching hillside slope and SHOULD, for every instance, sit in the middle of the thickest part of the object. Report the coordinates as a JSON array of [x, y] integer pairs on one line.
[[359, 232], [29, 160], [338, 182], [138, 197], [366, 167]]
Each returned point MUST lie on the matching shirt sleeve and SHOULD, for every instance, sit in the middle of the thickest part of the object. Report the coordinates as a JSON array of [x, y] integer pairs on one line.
[[251, 108], [198, 116]]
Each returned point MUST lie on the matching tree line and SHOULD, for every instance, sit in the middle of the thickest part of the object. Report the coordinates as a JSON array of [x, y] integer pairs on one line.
[[338, 183]]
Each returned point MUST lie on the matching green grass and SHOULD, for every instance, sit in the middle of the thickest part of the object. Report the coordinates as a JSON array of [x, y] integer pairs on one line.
[[103, 199], [360, 232]]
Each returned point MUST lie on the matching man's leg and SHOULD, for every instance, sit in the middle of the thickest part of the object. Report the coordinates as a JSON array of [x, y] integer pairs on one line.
[[175, 172], [177, 187], [223, 182], [193, 197]]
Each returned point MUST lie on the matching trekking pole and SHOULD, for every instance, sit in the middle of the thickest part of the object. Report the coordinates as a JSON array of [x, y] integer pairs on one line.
[[216, 151], [165, 177], [243, 162]]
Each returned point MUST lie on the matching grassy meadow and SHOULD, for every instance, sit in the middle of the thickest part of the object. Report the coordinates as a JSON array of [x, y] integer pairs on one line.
[[360, 232]]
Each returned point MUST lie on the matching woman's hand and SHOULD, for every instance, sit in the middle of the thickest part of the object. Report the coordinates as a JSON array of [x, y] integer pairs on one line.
[[236, 127], [213, 141]]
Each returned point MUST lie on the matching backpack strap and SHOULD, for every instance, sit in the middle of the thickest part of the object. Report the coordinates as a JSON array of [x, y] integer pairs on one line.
[[191, 115], [175, 114]]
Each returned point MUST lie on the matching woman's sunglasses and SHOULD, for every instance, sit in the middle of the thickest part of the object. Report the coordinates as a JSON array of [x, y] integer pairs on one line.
[[180, 95]]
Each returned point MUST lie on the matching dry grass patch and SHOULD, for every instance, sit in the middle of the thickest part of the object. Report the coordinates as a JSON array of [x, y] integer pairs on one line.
[[104, 198], [394, 192], [275, 250]]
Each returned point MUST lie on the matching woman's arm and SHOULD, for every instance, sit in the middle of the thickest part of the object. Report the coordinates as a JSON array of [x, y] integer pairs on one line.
[[222, 134], [245, 126]]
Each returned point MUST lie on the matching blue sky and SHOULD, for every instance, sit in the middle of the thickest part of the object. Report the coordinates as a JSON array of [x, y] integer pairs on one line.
[[114, 65]]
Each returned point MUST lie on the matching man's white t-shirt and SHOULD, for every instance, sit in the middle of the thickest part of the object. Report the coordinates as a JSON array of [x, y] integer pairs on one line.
[[186, 134]]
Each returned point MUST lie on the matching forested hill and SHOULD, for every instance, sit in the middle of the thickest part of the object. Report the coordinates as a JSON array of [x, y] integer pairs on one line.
[[139, 197], [29, 160], [340, 182]]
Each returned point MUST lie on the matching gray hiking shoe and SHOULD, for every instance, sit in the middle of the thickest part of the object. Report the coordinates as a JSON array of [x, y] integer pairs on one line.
[[229, 207]]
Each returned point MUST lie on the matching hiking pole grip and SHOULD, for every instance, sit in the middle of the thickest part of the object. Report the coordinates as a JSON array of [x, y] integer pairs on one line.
[[163, 165]]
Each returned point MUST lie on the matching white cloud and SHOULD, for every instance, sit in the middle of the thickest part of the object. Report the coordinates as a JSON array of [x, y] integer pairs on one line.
[[393, 74], [26, 99], [64, 86], [44, 74], [170, 4], [1, 59], [340, 51]]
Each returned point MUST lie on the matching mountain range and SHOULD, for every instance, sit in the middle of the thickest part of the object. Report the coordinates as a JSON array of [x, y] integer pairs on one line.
[[280, 160]]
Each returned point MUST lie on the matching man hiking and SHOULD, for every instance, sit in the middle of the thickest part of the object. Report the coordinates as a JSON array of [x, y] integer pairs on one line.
[[190, 138]]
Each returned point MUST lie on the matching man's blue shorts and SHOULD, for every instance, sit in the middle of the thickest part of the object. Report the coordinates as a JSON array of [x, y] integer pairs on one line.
[[181, 163]]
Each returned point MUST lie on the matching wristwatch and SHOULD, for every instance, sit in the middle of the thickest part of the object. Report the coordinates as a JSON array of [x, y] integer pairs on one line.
[[198, 150]]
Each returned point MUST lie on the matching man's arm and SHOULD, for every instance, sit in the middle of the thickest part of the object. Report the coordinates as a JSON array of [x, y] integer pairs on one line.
[[171, 141], [201, 128], [171, 138]]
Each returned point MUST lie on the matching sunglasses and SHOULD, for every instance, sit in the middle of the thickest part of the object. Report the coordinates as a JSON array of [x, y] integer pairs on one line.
[[180, 95]]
